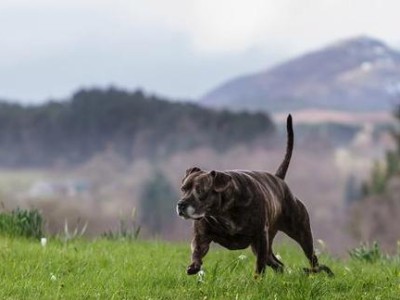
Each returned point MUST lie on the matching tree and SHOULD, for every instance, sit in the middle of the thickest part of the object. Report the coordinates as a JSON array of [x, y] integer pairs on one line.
[[382, 173], [157, 203]]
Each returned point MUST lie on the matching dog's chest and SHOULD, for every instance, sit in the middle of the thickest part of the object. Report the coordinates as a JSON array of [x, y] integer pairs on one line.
[[233, 224], [228, 233], [223, 225]]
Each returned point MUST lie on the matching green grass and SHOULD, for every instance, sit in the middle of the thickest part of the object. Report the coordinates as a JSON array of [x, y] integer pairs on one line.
[[105, 269]]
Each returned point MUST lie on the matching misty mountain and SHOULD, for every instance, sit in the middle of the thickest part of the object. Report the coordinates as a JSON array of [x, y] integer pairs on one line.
[[359, 74], [130, 124]]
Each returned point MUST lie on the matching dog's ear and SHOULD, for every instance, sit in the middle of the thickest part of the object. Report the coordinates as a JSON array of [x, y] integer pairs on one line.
[[221, 181], [192, 170]]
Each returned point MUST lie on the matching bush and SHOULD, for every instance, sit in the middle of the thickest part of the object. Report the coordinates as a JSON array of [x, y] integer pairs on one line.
[[382, 173], [20, 222], [370, 254]]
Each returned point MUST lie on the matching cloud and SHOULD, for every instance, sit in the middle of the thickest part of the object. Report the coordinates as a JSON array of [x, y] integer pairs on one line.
[[219, 25], [175, 47], [211, 26], [234, 26]]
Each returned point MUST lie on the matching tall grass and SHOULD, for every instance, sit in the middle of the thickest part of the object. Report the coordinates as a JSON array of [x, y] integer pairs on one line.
[[128, 229], [21, 223]]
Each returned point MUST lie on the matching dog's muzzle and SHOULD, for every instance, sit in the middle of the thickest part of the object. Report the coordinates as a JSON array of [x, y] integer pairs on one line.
[[181, 209], [187, 211]]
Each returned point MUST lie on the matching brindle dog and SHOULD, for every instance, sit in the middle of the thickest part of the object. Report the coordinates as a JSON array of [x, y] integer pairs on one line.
[[237, 209]]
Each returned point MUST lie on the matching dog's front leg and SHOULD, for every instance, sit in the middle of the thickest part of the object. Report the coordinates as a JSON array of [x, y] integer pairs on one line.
[[200, 245]]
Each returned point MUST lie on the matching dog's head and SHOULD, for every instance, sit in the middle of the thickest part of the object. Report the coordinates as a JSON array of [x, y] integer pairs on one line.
[[201, 193]]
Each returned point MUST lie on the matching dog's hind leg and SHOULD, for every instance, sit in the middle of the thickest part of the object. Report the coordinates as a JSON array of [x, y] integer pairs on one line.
[[299, 229], [262, 248], [306, 243], [273, 261]]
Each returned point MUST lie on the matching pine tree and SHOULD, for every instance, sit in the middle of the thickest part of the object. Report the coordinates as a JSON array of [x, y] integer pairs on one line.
[[157, 203]]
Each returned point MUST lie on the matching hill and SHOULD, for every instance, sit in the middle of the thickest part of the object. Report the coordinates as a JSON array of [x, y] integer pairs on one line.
[[359, 74], [131, 124]]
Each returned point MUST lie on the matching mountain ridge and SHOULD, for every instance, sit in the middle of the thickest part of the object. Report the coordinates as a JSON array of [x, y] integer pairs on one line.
[[358, 74]]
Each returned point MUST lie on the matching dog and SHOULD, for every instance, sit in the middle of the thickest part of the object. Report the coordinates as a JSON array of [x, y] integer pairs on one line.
[[238, 209]]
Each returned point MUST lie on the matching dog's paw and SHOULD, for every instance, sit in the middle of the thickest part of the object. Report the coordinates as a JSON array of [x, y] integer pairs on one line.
[[193, 269], [321, 268], [308, 271], [327, 270]]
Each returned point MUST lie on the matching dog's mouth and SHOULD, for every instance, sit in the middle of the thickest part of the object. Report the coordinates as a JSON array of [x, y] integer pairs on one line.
[[189, 213], [197, 217], [183, 216], [191, 217]]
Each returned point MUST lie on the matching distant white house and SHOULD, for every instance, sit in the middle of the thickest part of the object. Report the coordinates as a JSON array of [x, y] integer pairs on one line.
[[61, 188]]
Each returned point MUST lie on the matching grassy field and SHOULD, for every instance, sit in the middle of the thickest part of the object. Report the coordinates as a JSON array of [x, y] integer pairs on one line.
[[156, 270]]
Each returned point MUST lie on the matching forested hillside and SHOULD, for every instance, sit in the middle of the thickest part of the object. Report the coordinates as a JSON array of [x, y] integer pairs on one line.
[[132, 124]]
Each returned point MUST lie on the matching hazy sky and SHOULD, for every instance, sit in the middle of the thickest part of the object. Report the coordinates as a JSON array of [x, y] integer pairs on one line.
[[176, 48]]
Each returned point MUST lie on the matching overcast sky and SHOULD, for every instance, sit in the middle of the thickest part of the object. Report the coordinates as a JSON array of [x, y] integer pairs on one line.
[[176, 48]]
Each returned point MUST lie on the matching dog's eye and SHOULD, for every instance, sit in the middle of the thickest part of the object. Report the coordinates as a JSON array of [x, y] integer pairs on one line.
[[184, 188], [198, 190], [201, 193]]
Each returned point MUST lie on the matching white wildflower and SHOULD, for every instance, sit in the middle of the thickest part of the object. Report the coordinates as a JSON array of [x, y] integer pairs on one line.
[[43, 242], [201, 276], [322, 244], [242, 257], [53, 277]]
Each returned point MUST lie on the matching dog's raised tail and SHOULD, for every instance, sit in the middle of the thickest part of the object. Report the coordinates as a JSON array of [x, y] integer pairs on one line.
[[281, 172]]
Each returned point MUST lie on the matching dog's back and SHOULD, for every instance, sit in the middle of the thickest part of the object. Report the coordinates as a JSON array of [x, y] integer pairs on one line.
[[255, 187]]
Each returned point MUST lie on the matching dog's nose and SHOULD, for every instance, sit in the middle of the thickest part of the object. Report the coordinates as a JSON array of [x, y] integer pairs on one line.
[[181, 207]]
